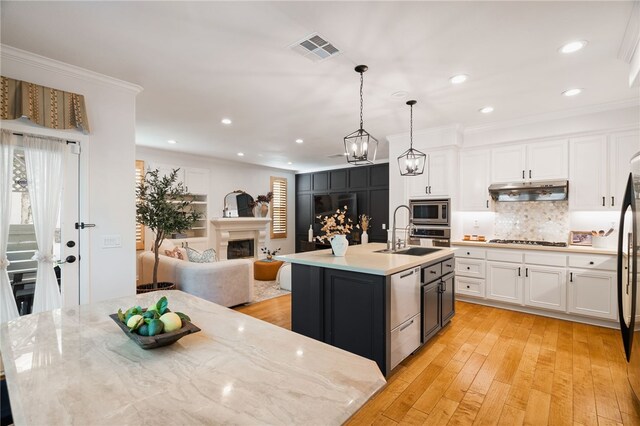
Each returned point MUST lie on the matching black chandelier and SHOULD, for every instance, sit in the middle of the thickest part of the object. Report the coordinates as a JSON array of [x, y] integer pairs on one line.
[[411, 162], [360, 147]]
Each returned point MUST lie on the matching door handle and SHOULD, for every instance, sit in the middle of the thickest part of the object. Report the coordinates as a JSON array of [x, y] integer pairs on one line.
[[570, 277], [83, 225], [613, 201], [69, 259], [404, 327], [406, 275], [603, 198], [519, 271], [487, 203], [523, 174], [526, 272], [529, 174], [426, 189]]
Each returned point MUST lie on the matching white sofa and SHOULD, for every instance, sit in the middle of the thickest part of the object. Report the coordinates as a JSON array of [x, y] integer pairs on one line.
[[227, 282]]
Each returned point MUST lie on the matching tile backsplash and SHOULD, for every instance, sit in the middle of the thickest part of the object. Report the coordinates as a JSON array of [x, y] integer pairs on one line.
[[532, 220]]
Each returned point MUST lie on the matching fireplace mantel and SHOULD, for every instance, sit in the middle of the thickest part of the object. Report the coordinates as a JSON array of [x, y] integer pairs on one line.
[[227, 229]]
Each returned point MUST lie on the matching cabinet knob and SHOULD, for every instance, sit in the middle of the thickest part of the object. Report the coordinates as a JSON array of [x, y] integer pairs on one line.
[[591, 263], [468, 267], [468, 287], [468, 254]]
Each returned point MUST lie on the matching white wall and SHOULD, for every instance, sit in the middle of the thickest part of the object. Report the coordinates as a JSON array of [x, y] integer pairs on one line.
[[227, 176], [107, 187]]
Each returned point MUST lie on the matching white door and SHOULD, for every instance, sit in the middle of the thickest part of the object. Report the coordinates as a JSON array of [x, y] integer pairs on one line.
[[593, 293], [474, 180], [504, 282], [548, 160], [588, 173], [545, 287], [508, 164], [22, 240], [416, 186], [622, 146]]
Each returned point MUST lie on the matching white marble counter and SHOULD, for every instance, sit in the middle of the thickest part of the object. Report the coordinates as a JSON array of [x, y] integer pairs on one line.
[[362, 258], [568, 249], [75, 366]]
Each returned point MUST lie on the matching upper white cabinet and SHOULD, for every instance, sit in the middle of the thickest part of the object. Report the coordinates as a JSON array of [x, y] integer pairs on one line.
[[437, 176], [196, 180], [474, 180], [599, 169], [533, 161]]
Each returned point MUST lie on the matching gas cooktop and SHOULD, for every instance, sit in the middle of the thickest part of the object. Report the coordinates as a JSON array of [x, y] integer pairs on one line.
[[530, 243]]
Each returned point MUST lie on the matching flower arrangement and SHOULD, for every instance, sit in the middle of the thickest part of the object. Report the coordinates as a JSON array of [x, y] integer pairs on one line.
[[270, 253], [364, 222], [261, 199], [336, 224]]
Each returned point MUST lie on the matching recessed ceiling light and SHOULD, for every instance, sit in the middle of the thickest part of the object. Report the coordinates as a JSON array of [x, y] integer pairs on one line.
[[241, 154], [399, 94], [572, 92], [457, 79], [226, 121], [299, 141], [573, 46], [171, 141], [486, 110], [289, 162]]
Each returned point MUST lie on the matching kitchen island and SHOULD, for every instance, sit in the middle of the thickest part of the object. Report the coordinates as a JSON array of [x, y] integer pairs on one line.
[[382, 306], [76, 366]]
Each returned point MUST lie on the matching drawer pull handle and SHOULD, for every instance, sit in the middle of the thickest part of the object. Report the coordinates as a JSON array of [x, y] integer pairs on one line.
[[432, 272], [591, 263], [406, 325], [447, 265], [406, 275], [468, 267], [468, 287]]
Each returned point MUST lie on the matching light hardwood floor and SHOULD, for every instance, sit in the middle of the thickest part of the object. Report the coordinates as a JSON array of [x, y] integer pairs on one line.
[[493, 366]]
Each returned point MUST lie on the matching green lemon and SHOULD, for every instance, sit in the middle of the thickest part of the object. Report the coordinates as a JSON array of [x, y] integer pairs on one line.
[[171, 321], [133, 321]]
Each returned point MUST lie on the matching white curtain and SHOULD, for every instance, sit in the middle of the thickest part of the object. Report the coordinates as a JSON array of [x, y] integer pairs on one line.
[[8, 309], [45, 175]]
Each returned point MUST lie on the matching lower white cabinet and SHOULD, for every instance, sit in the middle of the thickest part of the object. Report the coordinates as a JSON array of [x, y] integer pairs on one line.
[[593, 293], [545, 287], [504, 282], [470, 286]]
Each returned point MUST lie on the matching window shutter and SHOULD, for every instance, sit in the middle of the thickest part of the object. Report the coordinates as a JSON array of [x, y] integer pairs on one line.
[[139, 227], [279, 207]]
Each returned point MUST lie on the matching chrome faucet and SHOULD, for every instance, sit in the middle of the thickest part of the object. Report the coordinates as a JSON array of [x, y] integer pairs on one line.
[[393, 228]]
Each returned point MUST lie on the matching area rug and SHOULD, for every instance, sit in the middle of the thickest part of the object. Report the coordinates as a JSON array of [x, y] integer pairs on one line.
[[263, 290]]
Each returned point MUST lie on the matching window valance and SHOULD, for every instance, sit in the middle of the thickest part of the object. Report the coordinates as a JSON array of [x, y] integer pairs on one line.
[[45, 106]]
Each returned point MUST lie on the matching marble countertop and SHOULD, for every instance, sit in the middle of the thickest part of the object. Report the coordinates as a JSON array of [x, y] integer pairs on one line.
[[568, 249], [75, 366], [362, 258]]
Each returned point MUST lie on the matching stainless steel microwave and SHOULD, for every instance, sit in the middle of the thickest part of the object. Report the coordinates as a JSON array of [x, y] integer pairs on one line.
[[430, 212]]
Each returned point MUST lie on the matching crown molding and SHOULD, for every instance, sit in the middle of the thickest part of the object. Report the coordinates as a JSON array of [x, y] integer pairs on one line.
[[425, 132], [11, 53], [337, 167], [566, 113], [631, 39]]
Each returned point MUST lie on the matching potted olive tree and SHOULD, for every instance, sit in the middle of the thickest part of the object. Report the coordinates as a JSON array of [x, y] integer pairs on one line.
[[163, 205]]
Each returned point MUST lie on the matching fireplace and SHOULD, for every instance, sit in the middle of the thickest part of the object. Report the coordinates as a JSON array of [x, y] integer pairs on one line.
[[240, 249], [230, 236]]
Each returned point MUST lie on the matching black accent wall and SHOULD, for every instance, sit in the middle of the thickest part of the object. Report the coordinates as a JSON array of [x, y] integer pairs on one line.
[[369, 183]]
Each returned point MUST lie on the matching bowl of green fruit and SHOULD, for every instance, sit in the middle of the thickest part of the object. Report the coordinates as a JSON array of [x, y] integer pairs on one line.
[[155, 326]]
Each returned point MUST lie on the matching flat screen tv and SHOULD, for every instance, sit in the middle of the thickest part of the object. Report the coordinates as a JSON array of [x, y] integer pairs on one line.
[[327, 204]]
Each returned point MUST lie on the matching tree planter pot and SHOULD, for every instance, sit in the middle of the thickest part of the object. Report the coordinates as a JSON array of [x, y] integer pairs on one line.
[[146, 288]]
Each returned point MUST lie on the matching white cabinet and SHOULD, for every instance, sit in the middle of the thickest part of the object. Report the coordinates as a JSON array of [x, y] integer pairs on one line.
[[474, 180], [437, 176], [545, 287], [588, 173], [470, 286], [599, 168], [622, 146], [166, 169], [533, 161], [196, 180], [593, 293], [504, 282]]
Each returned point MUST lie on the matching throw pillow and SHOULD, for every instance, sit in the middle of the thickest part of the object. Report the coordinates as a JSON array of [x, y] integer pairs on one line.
[[207, 256], [175, 253]]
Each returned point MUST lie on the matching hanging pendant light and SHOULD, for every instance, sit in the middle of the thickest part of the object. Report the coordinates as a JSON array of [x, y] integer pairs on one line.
[[411, 162], [360, 147]]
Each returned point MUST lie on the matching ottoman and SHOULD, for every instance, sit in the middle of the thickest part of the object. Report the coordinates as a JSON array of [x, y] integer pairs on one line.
[[266, 271]]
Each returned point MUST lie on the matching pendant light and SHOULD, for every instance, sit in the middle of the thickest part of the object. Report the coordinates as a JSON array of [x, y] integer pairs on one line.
[[360, 147], [411, 162]]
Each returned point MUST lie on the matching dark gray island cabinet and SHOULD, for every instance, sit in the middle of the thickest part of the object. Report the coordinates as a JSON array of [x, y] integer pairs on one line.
[[380, 306]]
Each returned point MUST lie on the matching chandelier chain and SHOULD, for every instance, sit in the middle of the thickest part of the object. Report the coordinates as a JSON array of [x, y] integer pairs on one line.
[[411, 128], [361, 83]]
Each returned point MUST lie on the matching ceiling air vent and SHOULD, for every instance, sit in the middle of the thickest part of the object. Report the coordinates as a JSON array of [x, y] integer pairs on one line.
[[336, 155], [314, 48]]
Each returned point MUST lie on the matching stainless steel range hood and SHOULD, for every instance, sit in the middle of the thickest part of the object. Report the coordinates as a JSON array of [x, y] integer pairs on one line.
[[548, 190]]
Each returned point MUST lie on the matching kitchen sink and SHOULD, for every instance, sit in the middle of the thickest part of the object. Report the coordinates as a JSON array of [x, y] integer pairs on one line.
[[412, 251]]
